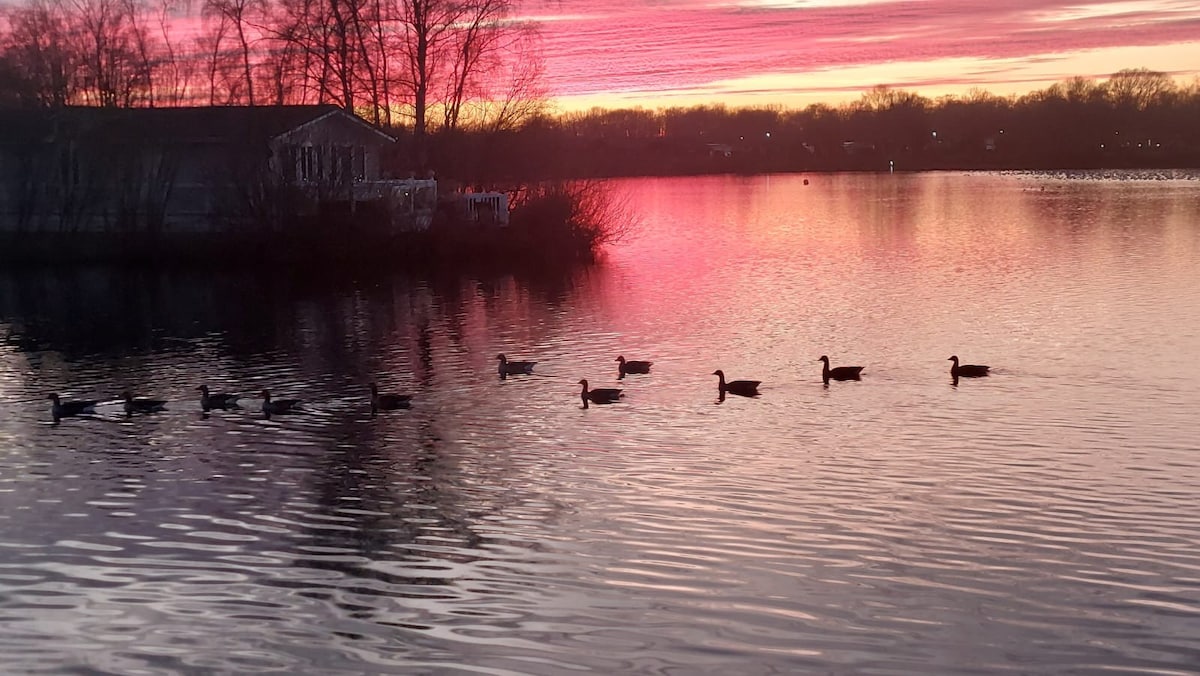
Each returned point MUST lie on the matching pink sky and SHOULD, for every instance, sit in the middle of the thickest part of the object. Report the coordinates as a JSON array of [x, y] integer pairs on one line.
[[659, 53]]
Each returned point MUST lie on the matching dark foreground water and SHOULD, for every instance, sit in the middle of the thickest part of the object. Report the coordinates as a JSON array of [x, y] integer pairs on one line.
[[1041, 520]]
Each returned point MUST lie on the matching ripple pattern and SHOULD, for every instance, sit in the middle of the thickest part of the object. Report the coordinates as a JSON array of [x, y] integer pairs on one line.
[[1041, 520]]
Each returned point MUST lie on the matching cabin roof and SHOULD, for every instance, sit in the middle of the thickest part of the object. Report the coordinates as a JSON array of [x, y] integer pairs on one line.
[[210, 124]]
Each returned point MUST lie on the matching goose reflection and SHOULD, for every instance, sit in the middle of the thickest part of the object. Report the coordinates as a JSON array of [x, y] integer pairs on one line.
[[272, 407], [142, 404], [388, 402], [60, 409], [514, 368], [221, 400]]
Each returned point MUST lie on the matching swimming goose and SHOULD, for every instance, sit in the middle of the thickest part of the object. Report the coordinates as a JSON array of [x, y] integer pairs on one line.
[[279, 405], [625, 366], [838, 373], [602, 395], [63, 409], [219, 400], [388, 402], [745, 388], [966, 370], [514, 368], [142, 405]]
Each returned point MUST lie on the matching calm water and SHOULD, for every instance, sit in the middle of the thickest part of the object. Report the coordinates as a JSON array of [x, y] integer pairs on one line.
[[1042, 520]]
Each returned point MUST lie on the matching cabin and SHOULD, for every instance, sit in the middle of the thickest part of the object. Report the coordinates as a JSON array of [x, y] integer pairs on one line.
[[196, 169]]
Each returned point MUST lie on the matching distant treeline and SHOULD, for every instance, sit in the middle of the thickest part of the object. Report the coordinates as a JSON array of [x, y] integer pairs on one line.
[[1135, 118]]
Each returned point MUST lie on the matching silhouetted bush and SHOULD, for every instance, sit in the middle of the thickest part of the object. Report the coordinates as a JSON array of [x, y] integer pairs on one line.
[[572, 219]]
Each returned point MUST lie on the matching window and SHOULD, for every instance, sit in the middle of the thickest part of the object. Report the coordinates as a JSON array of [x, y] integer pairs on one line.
[[312, 163], [308, 163], [342, 164], [290, 164], [360, 163]]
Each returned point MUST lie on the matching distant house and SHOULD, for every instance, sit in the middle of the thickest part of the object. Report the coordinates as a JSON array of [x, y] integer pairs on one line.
[[856, 147], [158, 170], [719, 149]]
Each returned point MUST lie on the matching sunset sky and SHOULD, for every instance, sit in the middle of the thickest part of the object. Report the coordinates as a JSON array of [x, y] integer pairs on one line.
[[660, 53]]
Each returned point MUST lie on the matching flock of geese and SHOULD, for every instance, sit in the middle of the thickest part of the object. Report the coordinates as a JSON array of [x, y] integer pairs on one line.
[[389, 402], [743, 388]]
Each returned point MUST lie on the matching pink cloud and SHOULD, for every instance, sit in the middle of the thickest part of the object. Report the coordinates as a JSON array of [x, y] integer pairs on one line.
[[644, 45]]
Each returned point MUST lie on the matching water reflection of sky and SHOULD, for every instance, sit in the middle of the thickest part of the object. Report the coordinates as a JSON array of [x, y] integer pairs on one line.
[[1040, 512]]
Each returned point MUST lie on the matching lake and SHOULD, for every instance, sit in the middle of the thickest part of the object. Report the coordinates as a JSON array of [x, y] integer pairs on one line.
[[1040, 520]]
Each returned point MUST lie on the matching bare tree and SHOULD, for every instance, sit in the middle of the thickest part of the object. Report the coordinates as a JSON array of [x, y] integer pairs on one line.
[[236, 16], [446, 63], [375, 40], [883, 97], [426, 27], [102, 29], [176, 72], [38, 47], [284, 66], [1139, 88], [309, 46], [515, 91], [474, 43], [209, 44], [144, 50]]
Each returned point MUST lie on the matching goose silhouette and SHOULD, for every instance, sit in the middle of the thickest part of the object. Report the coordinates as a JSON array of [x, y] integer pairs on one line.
[[141, 404], [64, 409], [388, 402], [514, 368], [966, 370], [839, 372], [745, 388], [601, 395], [209, 401], [625, 366], [271, 407]]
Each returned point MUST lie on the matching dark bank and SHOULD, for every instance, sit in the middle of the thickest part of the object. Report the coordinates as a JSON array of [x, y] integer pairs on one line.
[[264, 185]]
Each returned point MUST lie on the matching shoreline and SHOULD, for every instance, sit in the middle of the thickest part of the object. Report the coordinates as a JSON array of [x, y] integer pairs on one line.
[[468, 247], [341, 244]]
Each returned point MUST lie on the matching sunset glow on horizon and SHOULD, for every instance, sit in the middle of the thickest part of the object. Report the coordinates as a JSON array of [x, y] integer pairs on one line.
[[666, 53]]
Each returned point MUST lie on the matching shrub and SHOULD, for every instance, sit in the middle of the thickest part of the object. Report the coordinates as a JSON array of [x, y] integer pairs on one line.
[[569, 218]]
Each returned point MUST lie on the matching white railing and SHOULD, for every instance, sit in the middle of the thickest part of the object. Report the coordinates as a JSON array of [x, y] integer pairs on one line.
[[490, 208], [411, 201]]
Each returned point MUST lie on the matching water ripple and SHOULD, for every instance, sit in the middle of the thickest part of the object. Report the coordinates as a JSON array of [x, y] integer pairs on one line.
[[1037, 521]]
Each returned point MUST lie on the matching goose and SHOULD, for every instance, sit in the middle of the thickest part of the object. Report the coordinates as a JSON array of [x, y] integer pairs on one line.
[[632, 366], [388, 402], [602, 395], [840, 372], [966, 370], [279, 405], [219, 400], [514, 368], [745, 388], [62, 409], [142, 405]]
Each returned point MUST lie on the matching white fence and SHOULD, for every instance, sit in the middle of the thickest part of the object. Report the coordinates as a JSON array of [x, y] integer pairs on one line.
[[487, 208]]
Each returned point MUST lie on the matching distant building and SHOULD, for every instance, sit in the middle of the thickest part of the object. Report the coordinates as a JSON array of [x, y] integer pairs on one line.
[[719, 149], [856, 147], [154, 170]]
